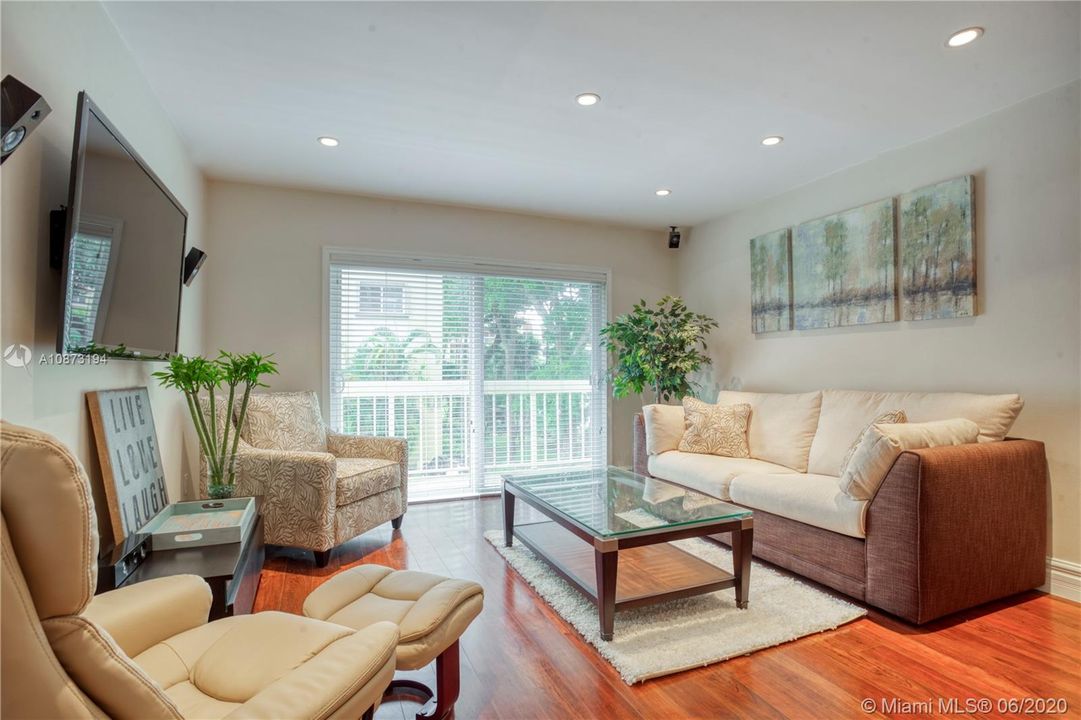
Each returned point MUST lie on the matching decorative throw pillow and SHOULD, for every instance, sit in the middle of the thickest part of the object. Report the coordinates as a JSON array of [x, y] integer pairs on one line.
[[715, 429], [893, 417], [664, 427], [882, 443]]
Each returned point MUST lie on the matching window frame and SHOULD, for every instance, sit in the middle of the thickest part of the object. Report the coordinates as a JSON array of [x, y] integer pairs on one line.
[[461, 264]]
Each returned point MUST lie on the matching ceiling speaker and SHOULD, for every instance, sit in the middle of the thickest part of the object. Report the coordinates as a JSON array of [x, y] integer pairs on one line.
[[673, 237]]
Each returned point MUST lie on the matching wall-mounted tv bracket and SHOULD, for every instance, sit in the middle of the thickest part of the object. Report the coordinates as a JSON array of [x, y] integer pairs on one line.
[[58, 221]]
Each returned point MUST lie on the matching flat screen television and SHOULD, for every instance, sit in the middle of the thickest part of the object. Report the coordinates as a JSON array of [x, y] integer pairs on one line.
[[123, 253]]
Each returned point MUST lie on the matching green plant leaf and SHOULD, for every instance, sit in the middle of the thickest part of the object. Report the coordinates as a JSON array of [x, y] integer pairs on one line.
[[657, 346]]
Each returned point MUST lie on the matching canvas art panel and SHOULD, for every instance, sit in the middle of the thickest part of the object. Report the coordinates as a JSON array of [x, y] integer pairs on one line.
[[938, 251], [843, 268], [771, 282], [131, 466]]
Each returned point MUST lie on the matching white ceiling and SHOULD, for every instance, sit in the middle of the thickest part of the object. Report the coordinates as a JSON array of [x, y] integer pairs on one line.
[[474, 103]]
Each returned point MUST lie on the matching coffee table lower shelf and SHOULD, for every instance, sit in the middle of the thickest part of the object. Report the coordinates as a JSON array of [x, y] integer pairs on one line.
[[645, 575]]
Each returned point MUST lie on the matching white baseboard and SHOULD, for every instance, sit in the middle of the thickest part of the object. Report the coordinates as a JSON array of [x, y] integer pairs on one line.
[[1063, 579]]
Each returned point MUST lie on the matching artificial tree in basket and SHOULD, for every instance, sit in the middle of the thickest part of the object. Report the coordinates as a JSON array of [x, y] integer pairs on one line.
[[196, 374], [657, 347]]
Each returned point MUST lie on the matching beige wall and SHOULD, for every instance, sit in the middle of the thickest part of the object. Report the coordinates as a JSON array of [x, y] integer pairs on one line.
[[266, 289], [1026, 337], [59, 49]]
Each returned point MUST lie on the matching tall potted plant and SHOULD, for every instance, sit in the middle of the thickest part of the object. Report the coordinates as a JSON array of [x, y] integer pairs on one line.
[[194, 375], [657, 347]]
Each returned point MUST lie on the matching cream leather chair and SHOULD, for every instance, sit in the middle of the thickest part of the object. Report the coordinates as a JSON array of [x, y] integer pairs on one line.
[[431, 613], [146, 651]]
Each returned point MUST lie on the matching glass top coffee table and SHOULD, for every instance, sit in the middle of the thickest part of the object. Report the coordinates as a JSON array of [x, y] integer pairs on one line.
[[610, 534]]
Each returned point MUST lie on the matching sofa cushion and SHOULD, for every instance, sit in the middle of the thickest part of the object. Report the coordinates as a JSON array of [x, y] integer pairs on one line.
[[664, 427], [715, 429], [845, 413], [709, 474], [893, 416], [883, 442], [359, 478], [782, 425], [812, 499], [285, 421]]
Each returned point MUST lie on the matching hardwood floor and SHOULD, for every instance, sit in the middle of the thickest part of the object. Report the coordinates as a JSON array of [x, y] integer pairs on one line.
[[520, 660]]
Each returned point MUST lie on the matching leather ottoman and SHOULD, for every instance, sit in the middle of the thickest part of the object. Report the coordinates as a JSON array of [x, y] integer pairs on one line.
[[431, 612]]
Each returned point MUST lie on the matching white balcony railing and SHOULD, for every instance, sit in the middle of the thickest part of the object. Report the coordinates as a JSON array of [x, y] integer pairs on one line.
[[526, 424]]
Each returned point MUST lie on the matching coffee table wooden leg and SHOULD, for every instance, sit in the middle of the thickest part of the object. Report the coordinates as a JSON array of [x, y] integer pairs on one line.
[[607, 563], [508, 518], [742, 545]]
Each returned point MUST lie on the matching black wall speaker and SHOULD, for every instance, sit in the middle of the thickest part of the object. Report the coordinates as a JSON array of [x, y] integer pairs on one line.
[[673, 237], [23, 110], [192, 263]]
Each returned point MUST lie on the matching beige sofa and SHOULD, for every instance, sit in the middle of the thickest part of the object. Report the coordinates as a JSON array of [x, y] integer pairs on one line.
[[949, 528]]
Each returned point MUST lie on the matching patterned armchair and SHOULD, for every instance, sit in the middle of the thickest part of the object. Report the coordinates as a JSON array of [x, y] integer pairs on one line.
[[320, 488]]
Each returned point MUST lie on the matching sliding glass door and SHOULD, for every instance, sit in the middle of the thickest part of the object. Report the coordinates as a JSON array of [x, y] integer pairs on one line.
[[484, 369]]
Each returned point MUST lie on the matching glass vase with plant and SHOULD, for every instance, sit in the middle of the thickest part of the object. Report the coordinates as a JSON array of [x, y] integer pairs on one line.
[[657, 347], [235, 373]]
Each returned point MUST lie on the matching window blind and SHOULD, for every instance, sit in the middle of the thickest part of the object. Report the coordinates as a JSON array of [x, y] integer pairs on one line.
[[485, 369]]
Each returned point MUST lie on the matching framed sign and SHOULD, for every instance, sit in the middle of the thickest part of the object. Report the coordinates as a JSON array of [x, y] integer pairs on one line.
[[130, 459]]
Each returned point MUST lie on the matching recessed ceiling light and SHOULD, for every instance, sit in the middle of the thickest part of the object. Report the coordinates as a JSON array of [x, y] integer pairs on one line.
[[964, 37], [663, 192], [772, 140], [328, 141], [587, 99]]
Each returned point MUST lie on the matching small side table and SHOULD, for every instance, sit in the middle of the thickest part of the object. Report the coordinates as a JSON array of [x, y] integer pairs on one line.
[[231, 570]]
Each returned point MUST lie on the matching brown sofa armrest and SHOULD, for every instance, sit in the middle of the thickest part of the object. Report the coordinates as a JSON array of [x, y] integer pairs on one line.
[[641, 457], [954, 527]]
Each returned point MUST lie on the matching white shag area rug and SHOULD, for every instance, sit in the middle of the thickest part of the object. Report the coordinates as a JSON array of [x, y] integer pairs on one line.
[[683, 634]]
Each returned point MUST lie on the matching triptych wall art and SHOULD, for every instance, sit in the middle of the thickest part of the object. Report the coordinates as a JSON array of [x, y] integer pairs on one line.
[[938, 258], [771, 282], [843, 269]]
